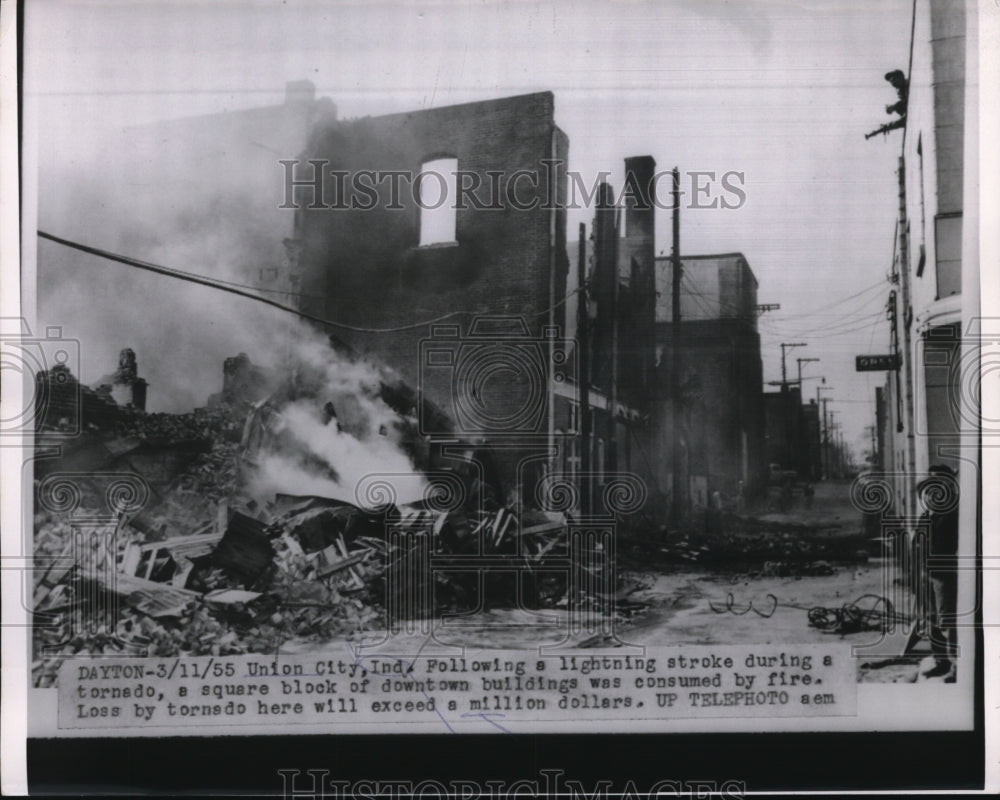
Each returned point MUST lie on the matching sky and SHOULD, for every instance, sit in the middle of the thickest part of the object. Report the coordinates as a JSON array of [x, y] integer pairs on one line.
[[781, 91]]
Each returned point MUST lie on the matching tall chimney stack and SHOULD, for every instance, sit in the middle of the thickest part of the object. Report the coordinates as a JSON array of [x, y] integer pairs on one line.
[[638, 267]]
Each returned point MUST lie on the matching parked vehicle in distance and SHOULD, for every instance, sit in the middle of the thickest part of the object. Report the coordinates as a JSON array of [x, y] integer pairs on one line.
[[779, 477]]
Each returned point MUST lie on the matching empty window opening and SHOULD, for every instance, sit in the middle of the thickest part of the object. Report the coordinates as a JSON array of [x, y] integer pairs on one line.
[[437, 193]]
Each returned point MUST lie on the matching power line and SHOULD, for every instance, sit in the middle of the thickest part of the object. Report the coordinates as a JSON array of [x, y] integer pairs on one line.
[[861, 312], [829, 328], [777, 327], [835, 303], [232, 289]]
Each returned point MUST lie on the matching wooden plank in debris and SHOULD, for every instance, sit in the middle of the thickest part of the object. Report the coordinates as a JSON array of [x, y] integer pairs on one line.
[[495, 528], [340, 564], [148, 597], [61, 565], [357, 582], [544, 527], [374, 543], [196, 546], [503, 530], [130, 557], [184, 569], [146, 523], [229, 596]]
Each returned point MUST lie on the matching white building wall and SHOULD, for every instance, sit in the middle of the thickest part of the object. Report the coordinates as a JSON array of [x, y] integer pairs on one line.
[[939, 165], [934, 160]]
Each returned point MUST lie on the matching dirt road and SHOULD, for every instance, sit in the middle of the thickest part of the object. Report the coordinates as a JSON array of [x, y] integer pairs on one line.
[[663, 603]]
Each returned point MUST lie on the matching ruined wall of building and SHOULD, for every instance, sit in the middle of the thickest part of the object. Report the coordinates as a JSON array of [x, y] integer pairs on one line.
[[365, 269], [384, 294], [124, 386]]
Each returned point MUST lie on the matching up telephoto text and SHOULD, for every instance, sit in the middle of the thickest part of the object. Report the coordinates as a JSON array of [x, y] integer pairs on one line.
[[312, 184]]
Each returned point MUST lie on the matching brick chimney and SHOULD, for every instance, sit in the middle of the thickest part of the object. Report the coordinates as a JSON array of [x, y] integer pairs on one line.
[[638, 264]]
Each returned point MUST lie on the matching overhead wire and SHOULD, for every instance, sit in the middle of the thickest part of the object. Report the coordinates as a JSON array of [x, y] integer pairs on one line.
[[232, 288], [832, 329], [836, 303], [858, 314], [777, 328]]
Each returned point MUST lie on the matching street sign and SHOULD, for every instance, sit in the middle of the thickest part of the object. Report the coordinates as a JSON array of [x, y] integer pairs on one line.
[[876, 363]]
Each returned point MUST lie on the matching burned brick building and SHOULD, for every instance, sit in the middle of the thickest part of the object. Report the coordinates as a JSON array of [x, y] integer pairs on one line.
[[434, 243], [475, 303], [465, 300]]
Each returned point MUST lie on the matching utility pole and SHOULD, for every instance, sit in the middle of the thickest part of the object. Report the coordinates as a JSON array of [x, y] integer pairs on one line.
[[612, 445], [824, 442], [832, 438], [583, 379], [826, 438], [801, 454], [677, 488], [904, 278], [800, 362], [784, 375]]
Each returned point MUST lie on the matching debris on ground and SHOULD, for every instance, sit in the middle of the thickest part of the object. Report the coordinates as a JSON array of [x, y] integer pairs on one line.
[[784, 569], [750, 545], [204, 570]]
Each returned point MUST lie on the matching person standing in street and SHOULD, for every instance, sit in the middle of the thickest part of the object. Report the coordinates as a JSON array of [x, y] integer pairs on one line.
[[938, 494]]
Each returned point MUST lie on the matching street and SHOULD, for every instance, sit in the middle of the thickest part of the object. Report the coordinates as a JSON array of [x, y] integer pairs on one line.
[[678, 604]]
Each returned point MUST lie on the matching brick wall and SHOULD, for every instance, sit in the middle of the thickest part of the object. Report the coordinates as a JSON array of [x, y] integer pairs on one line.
[[364, 269], [365, 266]]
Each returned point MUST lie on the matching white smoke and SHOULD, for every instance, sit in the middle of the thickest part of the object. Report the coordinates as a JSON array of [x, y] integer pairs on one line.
[[176, 201], [204, 196], [334, 457]]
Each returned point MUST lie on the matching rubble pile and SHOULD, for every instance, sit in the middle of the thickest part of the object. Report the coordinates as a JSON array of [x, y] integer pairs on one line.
[[744, 543], [213, 422], [252, 578], [214, 563]]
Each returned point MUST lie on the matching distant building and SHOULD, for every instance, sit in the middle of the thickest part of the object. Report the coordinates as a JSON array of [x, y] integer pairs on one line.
[[785, 426], [721, 374], [810, 454]]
